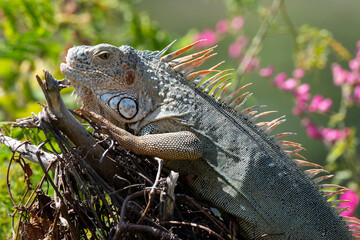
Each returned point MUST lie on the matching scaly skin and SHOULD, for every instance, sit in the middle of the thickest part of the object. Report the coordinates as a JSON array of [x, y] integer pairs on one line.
[[237, 167]]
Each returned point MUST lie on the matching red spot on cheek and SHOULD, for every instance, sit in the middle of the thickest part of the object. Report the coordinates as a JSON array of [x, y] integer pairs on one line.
[[130, 77]]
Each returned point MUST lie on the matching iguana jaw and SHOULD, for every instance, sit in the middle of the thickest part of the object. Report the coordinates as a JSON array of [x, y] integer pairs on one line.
[[78, 83]]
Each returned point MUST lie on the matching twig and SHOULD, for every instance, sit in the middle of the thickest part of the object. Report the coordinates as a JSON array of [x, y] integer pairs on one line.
[[219, 224], [167, 198], [123, 226], [61, 205], [128, 227], [289, 24], [211, 232], [8, 171], [127, 199], [256, 41], [153, 188], [27, 150]]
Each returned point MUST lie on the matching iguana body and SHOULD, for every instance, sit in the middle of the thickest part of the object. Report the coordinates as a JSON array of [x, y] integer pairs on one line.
[[232, 163]]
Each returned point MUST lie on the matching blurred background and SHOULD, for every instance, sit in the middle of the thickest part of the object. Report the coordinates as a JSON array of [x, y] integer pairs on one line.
[[315, 43]]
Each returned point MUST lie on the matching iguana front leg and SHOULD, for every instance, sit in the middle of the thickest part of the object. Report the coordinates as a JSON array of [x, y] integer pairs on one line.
[[182, 145]]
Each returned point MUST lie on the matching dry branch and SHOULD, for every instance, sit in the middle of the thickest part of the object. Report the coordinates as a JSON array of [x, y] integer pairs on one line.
[[27, 150]]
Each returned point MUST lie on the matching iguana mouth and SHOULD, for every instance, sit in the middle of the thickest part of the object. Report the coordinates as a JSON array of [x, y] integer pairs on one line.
[[80, 90]]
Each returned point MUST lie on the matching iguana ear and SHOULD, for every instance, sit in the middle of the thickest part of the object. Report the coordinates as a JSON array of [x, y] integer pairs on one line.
[[129, 76]]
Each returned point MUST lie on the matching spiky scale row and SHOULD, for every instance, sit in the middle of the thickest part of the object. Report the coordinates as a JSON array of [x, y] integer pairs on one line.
[[323, 186], [232, 95], [302, 163], [189, 57], [215, 79], [254, 118], [204, 73], [338, 202], [221, 91], [159, 54], [217, 85], [322, 178], [310, 173], [288, 144], [280, 135], [187, 67], [354, 226], [329, 193]]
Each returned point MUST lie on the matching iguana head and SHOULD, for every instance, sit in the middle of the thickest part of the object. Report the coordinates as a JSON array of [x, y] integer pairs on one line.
[[126, 86], [109, 81]]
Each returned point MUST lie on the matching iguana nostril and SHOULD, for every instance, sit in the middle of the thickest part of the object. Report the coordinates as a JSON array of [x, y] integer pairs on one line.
[[129, 77], [81, 53]]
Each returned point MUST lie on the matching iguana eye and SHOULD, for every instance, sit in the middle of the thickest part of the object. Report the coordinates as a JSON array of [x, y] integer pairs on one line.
[[104, 55]]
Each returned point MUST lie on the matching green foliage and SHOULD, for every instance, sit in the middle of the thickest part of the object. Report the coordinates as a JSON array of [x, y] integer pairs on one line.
[[35, 33], [342, 158], [314, 46]]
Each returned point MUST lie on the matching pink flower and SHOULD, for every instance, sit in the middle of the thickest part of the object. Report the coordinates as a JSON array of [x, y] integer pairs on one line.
[[235, 49], [222, 26], [252, 65], [319, 104], [286, 85], [357, 92], [352, 78], [243, 40], [317, 99], [325, 105], [289, 84], [280, 79], [300, 105], [354, 64], [267, 72], [298, 73], [312, 130], [210, 37], [331, 135], [339, 74], [237, 23], [303, 91], [354, 198]]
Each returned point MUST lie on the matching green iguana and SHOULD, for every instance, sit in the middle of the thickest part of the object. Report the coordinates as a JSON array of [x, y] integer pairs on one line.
[[165, 109]]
